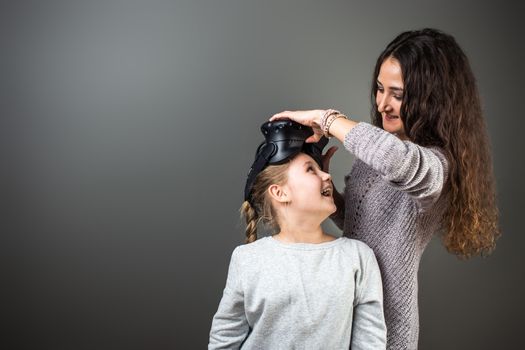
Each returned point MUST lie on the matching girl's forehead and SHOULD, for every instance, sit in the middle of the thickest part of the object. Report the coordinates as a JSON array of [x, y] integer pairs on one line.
[[301, 159]]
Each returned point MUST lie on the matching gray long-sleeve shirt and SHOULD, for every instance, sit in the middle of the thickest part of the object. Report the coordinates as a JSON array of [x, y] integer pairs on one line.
[[301, 296], [394, 203]]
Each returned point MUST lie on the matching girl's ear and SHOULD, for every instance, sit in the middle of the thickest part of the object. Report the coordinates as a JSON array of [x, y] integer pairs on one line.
[[279, 193]]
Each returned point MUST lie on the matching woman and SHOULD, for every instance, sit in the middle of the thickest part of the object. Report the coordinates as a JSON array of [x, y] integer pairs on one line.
[[423, 167], [300, 288]]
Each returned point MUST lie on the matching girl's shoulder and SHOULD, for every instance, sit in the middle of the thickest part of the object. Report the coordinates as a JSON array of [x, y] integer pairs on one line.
[[252, 249], [355, 243], [356, 247], [269, 246]]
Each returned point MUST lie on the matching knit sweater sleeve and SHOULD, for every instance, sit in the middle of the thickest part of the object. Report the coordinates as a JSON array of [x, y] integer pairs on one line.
[[230, 326], [419, 171], [369, 328]]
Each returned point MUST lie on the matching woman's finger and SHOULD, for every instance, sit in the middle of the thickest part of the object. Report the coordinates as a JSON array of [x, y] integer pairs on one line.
[[331, 151], [281, 115], [327, 156], [313, 139]]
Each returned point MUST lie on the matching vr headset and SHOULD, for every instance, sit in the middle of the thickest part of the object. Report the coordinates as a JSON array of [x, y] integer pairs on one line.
[[284, 140]]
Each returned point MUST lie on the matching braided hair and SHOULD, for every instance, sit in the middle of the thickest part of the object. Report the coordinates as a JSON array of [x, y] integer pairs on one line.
[[259, 209]]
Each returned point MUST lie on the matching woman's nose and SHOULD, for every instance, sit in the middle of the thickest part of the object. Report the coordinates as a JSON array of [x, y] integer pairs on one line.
[[382, 104]]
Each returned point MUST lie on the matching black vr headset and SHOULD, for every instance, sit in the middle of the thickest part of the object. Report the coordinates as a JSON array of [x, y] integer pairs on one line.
[[284, 139]]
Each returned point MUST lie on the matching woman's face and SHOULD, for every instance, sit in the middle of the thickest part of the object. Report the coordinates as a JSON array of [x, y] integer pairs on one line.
[[309, 187], [389, 96]]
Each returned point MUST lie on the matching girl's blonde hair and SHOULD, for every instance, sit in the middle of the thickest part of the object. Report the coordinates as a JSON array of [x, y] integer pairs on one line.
[[259, 209]]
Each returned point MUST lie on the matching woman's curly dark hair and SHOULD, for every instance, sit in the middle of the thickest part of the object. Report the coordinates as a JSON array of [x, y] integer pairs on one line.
[[441, 108]]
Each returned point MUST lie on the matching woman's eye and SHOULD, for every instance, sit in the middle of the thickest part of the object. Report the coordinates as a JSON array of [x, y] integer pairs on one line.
[[399, 98], [310, 169]]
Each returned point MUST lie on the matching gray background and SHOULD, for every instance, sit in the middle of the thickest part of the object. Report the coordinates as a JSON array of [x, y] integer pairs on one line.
[[127, 129]]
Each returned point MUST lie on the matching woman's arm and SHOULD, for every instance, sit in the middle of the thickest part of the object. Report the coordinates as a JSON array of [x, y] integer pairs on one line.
[[340, 127], [229, 326], [419, 171]]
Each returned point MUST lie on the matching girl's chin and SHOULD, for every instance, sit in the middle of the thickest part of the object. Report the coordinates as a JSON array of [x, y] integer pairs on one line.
[[324, 211], [332, 209]]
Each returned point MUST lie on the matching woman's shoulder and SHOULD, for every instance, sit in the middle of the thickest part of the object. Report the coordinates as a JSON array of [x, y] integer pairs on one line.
[[440, 153], [436, 157]]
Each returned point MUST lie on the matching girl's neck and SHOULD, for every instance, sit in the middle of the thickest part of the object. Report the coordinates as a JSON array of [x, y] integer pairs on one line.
[[300, 227], [303, 235]]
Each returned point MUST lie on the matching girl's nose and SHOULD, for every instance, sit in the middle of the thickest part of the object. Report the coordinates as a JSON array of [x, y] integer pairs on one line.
[[326, 176]]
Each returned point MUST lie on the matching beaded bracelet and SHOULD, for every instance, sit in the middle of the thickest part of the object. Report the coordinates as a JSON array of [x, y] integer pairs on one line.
[[333, 117], [327, 113]]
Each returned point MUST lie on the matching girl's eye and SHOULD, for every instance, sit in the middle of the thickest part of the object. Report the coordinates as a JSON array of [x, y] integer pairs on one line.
[[310, 169], [399, 98]]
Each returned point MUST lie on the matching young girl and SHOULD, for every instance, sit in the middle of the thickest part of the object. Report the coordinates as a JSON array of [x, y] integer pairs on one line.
[[300, 288], [423, 167]]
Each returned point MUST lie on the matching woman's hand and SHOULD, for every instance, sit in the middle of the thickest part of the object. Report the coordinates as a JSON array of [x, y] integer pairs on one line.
[[326, 158], [338, 198], [310, 118]]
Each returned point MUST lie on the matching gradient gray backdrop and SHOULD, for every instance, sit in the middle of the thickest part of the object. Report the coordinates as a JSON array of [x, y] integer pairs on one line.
[[127, 129]]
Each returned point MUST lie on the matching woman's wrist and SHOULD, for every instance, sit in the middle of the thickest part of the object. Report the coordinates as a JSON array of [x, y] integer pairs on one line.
[[327, 118], [326, 121], [340, 127]]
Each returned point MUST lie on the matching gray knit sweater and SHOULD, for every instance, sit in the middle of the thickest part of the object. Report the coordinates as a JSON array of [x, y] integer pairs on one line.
[[393, 203], [301, 296]]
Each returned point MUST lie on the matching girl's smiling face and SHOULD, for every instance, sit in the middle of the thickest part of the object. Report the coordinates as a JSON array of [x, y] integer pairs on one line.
[[309, 188]]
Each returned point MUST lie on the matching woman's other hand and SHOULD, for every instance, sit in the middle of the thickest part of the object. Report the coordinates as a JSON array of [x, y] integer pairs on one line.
[[326, 158]]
